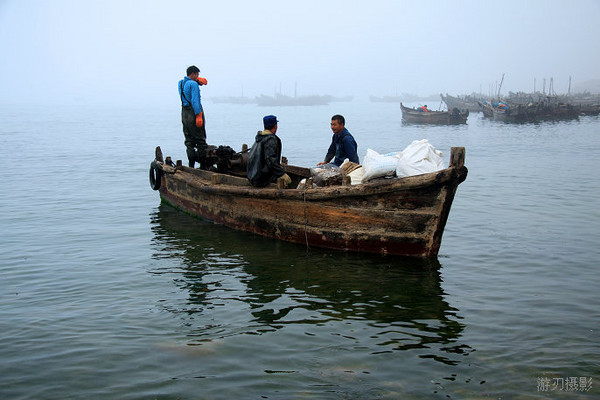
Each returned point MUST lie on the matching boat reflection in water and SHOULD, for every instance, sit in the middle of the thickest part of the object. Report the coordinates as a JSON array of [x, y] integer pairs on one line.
[[242, 284]]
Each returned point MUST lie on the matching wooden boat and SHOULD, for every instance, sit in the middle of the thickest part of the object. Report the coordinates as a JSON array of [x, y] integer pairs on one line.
[[452, 117], [233, 100], [531, 112], [398, 216], [513, 113], [465, 103], [402, 97], [385, 99], [589, 109], [283, 100], [486, 108]]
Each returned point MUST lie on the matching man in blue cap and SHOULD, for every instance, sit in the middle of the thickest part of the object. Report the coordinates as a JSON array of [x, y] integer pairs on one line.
[[264, 160]]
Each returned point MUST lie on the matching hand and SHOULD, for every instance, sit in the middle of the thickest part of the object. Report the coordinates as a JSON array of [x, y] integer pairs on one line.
[[287, 180], [201, 81], [322, 163], [199, 120]]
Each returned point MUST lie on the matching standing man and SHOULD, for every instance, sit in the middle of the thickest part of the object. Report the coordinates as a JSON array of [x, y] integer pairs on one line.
[[264, 160], [192, 117], [342, 145]]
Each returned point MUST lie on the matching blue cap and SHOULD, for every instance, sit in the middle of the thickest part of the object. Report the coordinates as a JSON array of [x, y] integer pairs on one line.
[[270, 121]]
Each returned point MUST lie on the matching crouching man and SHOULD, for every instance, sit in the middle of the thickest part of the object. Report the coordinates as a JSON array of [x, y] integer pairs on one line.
[[264, 160]]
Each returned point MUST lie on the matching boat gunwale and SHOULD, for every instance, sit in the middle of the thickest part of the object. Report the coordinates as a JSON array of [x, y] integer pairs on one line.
[[377, 187]]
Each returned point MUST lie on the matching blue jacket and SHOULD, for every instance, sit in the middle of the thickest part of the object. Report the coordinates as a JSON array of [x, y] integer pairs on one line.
[[189, 91], [342, 146]]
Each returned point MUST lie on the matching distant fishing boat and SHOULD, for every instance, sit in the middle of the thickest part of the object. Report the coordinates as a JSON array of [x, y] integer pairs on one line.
[[385, 99], [241, 99], [517, 113], [283, 100], [486, 108], [453, 117], [401, 98], [547, 109], [465, 103], [233, 100], [589, 109], [339, 99]]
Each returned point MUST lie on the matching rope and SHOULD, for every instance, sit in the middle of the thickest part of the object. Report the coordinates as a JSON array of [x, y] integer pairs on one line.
[[305, 218]]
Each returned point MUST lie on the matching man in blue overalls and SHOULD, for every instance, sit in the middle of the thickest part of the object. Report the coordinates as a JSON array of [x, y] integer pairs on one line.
[[192, 117]]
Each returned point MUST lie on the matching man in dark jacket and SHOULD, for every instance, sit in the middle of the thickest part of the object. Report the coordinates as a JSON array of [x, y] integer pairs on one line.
[[264, 160], [342, 145]]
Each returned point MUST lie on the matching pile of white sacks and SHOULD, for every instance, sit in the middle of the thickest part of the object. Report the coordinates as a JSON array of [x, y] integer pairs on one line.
[[417, 158]]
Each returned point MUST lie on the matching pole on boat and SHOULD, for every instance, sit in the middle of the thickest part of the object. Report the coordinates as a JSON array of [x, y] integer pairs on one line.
[[457, 157], [500, 87], [544, 87]]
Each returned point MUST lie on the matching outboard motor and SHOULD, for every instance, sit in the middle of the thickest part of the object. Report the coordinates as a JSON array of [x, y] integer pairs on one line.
[[209, 158], [230, 161]]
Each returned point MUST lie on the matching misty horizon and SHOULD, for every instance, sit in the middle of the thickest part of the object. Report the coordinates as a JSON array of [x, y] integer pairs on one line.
[[134, 53]]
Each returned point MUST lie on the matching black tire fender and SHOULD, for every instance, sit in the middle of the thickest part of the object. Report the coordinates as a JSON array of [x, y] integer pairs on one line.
[[155, 175]]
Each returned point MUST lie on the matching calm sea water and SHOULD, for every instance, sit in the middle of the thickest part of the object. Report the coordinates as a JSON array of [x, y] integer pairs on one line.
[[106, 294]]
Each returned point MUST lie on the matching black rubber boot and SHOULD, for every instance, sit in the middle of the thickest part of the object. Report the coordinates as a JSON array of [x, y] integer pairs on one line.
[[192, 156]]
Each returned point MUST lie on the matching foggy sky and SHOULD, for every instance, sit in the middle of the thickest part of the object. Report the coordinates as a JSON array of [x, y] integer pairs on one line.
[[134, 52]]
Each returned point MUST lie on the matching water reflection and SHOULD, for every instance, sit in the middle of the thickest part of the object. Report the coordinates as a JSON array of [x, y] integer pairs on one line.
[[252, 285]]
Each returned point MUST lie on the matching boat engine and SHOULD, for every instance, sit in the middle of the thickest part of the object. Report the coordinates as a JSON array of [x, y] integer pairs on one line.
[[227, 160], [230, 161]]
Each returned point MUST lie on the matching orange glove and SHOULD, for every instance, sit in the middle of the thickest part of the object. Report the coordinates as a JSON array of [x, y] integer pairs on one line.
[[201, 81], [199, 120]]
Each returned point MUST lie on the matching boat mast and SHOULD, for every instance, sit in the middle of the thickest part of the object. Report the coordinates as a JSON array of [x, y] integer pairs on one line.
[[500, 87], [544, 87]]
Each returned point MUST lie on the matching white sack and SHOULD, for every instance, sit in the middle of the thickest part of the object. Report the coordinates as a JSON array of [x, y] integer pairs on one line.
[[376, 165], [419, 157], [356, 176]]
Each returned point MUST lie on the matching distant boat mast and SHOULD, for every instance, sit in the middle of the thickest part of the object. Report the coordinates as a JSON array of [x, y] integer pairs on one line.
[[500, 87]]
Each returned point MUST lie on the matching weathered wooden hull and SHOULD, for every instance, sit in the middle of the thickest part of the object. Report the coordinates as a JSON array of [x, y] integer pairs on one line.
[[535, 113], [461, 104], [514, 117], [454, 117], [401, 216], [486, 109]]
